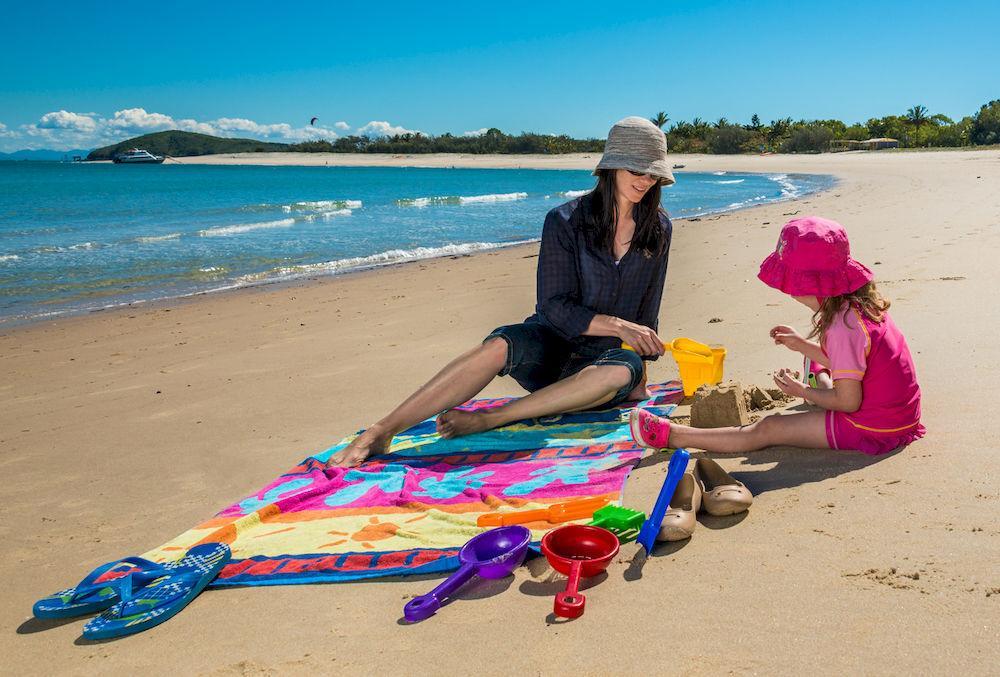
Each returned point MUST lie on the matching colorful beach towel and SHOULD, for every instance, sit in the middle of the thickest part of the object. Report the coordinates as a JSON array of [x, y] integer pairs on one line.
[[409, 511]]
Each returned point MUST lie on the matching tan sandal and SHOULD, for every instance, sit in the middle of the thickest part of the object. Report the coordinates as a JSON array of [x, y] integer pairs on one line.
[[679, 521], [722, 494]]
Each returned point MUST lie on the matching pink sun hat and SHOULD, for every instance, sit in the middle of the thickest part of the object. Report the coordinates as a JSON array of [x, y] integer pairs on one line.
[[813, 258]]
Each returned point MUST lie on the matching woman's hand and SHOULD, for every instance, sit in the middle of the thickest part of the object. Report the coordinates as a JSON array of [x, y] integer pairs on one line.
[[642, 339], [789, 383], [784, 335]]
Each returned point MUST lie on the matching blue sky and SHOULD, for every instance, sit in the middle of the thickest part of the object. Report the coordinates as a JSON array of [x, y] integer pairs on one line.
[[88, 73]]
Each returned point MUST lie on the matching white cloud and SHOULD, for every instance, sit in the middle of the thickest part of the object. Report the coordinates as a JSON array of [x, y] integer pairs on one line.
[[66, 120], [188, 125], [343, 126], [64, 129], [377, 128], [476, 132], [4, 132], [137, 121]]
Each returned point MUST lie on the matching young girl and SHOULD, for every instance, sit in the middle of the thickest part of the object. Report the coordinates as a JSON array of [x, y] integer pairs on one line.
[[871, 398]]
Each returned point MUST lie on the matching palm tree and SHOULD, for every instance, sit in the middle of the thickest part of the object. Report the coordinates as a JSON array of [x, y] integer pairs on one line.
[[721, 122], [682, 129], [778, 129], [917, 118], [660, 119]]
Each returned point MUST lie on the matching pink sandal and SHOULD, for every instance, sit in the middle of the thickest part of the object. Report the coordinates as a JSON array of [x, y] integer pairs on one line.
[[649, 430]]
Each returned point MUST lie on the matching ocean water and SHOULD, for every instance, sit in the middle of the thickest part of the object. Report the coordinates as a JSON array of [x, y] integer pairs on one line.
[[78, 237]]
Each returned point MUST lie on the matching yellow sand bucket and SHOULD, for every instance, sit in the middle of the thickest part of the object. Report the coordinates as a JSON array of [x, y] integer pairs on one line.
[[697, 363]]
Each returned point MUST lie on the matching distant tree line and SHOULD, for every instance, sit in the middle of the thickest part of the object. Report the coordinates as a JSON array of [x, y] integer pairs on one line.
[[492, 141], [916, 128]]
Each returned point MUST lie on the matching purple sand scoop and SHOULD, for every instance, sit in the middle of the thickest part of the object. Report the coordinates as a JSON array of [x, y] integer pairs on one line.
[[491, 554], [651, 527]]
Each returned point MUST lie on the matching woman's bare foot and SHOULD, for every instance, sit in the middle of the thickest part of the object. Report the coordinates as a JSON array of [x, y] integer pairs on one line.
[[639, 393], [371, 441], [456, 422]]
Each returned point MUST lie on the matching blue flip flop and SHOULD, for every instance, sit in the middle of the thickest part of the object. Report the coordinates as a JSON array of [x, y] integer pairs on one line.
[[89, 596], [179, 583]]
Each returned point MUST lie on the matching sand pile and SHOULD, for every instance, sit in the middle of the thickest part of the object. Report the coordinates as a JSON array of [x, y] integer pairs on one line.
[[730, 403]]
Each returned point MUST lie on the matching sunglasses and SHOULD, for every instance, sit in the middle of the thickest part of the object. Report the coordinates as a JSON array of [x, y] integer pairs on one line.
[[641, 174]]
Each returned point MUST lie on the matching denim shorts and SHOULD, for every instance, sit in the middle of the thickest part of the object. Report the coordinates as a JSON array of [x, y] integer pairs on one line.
[[538, 357]]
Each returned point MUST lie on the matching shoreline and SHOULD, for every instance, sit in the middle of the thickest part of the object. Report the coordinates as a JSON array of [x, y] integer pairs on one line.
[[309, 277], [120, 430]]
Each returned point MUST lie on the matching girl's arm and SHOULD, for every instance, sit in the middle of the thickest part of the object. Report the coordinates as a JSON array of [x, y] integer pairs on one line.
[[844, 396], [784, 335]]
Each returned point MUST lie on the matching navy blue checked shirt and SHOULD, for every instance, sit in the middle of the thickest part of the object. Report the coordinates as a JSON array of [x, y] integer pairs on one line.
[[577, 282]]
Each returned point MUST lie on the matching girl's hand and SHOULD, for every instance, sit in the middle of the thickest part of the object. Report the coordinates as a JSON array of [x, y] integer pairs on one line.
[[788, 382], [643, 339], [784, 335]]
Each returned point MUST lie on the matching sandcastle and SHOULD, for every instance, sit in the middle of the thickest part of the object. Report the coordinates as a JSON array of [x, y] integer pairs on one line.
[[731, 404]]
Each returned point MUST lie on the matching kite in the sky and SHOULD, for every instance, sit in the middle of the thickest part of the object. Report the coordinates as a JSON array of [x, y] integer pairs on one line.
[[313, 121]]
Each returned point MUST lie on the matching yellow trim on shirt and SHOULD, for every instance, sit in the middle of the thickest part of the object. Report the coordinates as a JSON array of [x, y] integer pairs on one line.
[[848, 371], [868, 338], [880, 430]]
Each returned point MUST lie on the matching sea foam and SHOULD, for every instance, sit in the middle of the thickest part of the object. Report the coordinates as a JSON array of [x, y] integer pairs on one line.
[[385, 258], [459, 199], [245, 228], [321, 205], [326, 216], [788, 188], [148, 239]]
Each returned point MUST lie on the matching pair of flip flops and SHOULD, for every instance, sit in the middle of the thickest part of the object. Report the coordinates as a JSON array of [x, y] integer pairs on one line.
[[135, 594]]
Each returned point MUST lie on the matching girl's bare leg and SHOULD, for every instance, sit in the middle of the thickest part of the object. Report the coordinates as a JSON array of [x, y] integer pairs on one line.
[[458, 382], [589, 387], [806, 430]]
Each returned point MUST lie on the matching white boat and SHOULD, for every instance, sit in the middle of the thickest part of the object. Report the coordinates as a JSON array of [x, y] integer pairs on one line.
[[136, 156]]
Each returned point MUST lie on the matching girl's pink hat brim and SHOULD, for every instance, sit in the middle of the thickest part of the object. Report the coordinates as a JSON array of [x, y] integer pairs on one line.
[[797, 282]]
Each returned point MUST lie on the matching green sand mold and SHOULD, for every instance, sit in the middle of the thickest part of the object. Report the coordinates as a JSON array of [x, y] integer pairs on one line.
[[622, 522]]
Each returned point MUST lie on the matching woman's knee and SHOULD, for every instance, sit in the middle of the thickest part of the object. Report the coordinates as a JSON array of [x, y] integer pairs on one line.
[[496, 350], [612, 376]]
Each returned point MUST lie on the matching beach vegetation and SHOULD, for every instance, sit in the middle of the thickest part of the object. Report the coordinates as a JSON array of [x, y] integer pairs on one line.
[[984, 127], [493, 141], [917, 127], [660, 119], [808, 138], [727, 139]]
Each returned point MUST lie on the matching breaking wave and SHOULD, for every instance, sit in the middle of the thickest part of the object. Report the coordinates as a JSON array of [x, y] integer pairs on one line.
[[245, 228], [459, 199], [385, 258]]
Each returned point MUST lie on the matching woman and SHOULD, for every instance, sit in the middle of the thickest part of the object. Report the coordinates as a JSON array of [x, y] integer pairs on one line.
[[601, 268]]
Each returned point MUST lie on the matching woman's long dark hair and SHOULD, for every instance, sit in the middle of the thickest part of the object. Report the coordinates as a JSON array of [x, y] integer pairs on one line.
[[603, 217]]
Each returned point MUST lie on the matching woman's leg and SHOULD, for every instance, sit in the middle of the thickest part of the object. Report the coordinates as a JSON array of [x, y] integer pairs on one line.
[[459, 381], [590, 387], [806, 430]]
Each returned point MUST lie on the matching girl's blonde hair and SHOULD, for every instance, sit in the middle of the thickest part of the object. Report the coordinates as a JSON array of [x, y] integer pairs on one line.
[[867, 299]]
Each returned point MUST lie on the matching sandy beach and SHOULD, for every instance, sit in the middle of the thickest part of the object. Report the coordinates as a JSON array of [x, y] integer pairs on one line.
[[121, 429]]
